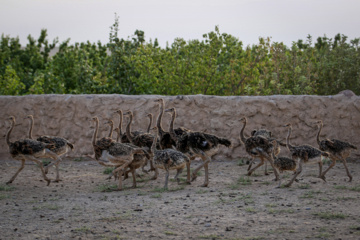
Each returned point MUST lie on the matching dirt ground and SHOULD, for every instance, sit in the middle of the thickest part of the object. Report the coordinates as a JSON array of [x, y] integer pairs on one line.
[[234, 206]]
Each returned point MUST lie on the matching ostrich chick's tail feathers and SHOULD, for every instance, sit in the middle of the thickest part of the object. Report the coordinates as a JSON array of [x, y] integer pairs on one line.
[[325, 154], [70, 145], [225, 142]]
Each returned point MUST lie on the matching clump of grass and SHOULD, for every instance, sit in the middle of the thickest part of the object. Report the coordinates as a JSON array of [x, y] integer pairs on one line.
[[304, 186], [250, 210], [354, 188], [107, 187], [201, 191], [241, 181], [310, 194], [46, 162], [108, 170], [270, 205], [78, 159], [170, 233], [330, 215], [241, 162], [158, 195], [212, 236], [4, 196], [47, 206], [83, 229], [161, 190], [6, 188]]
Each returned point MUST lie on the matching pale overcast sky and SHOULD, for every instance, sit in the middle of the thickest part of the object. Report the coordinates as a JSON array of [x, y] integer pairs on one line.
[[82, 20]]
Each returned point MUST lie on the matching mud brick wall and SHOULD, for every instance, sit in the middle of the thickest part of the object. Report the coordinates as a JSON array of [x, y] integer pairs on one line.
[[69, 116]]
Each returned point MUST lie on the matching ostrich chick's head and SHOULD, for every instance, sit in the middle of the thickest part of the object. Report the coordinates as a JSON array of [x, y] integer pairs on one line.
[[170, 110], [30, 117], [243, 120], [118, 112], [288, 125], [159, 100], [128, 113]]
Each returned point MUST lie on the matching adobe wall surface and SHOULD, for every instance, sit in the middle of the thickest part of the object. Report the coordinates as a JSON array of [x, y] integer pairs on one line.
[[69, 116]]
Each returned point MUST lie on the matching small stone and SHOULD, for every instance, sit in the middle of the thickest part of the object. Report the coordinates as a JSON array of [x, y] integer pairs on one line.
[[208, 225]]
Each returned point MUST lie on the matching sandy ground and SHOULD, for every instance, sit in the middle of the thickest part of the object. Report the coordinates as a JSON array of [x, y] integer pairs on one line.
[[234, 206]]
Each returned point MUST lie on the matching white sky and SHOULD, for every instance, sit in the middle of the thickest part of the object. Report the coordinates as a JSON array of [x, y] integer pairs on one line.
[[83, 20]]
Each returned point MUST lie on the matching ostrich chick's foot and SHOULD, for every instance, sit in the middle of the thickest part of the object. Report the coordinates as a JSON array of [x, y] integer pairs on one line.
[[322, 177], [193, 178], [48, 182]]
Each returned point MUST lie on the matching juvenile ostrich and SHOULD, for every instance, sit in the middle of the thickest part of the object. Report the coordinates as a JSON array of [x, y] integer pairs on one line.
[[123, 137], [197, 144], [140, 140], [283, 164], [169, 159], [140, 160], [165, 139], [259, 146], [28, 149], [302, 154], [61, 146], [261, 132], [338, 150], [115, 154]]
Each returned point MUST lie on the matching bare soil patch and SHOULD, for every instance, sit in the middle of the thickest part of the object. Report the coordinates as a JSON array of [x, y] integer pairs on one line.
[[234, 206]]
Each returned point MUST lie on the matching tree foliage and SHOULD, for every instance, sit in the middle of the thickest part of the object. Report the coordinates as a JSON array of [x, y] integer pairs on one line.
[[218, 64]]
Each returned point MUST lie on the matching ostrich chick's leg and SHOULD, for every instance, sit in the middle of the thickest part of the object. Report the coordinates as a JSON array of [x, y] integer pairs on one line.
[[333, 162], [178, 171], [271, 161], [298, 171], [256, 167], [346, 168], [133, 173], [57, 173], [18, 171], [188, 173], [205, 163], [52, 155], [39, 163]]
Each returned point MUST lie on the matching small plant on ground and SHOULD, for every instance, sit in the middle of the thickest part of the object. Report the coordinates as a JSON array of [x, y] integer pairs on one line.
[[6, 188], [158, 195], [304, 186], [330, 215], [108, 170], [107, 187], [241, 162], [46, 162]]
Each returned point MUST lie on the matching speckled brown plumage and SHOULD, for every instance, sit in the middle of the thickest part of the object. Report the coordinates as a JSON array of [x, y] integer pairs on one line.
[[259, 146], [140, 160], [28, 149], [169, 159], [140, 140], [123, 137], [165, 140], [285, 164], [116, 154], [303, 154], [60, 146], [198, 144], [338, 150]]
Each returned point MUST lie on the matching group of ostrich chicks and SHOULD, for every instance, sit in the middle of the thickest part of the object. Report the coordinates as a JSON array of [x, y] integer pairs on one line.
[[174, 150]]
